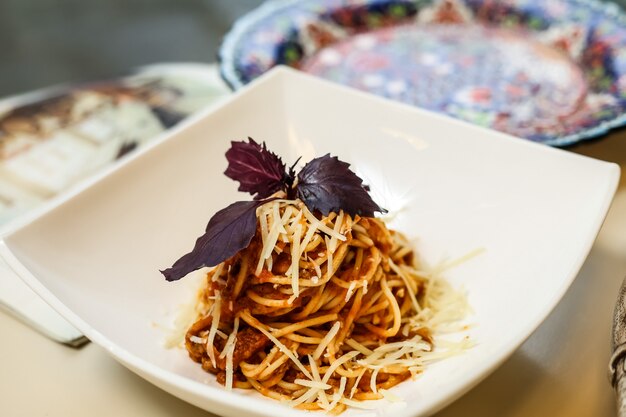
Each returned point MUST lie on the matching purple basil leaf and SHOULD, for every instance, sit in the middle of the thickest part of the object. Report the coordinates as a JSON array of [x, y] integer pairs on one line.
[[257, 170], [327, 184], [229, 231]]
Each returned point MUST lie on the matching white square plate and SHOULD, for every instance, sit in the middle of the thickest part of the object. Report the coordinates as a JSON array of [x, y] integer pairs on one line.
[[95, 255]]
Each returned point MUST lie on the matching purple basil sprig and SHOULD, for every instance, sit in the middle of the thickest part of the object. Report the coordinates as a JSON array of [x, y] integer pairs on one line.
[[258, 170], [229, 231], [327, 184], [324, 184]]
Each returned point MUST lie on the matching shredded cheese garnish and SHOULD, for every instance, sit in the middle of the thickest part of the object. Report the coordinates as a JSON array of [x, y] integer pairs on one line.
[[356, 383], [337, 230], [357, 346], [321, 226], [336, 364], [196, 339], [329, 263], [215, 321], [229, 349], [326, 340], [321, 394], [280, 346], [311, 384], [295, 260], [350, 291], [339, 394]]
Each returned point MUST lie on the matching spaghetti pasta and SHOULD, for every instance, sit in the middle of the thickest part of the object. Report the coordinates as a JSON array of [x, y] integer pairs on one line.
[[320, 311]]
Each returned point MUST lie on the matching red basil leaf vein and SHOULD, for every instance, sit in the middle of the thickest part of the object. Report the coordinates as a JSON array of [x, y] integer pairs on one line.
[[257, 170], [327, 184], [229, 231]]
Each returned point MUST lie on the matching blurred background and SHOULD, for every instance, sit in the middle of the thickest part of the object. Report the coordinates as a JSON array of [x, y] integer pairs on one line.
[[45, 42]]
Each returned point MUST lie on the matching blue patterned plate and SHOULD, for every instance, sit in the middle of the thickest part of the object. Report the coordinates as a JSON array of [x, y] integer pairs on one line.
[[552, 71]]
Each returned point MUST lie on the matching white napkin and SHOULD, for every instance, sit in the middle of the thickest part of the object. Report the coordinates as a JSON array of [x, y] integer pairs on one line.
[[22, 302]]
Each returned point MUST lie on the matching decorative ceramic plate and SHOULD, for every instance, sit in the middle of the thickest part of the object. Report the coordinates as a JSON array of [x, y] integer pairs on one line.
[[552, 71], [95, 256]]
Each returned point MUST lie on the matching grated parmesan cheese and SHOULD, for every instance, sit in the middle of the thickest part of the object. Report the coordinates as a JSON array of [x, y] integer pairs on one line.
[[326, 340], [408, 287], [339, 394], [363, 405], [389, 396], [321, 394], [336, 364], [216, 310], [217, 272], [197, 340], [357, 346], [356, 383], [373, 386], [230, 349], [329, 263], [312, 384], [337, 230], [321, 226], [350, 291], [286, 351], [294, 269]]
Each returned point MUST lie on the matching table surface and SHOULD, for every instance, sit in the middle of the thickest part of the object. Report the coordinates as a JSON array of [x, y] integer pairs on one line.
[[561, 370]]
